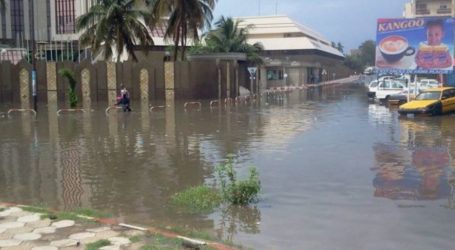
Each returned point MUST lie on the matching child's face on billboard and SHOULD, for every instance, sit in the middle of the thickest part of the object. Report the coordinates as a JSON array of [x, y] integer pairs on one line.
[[434, 35]]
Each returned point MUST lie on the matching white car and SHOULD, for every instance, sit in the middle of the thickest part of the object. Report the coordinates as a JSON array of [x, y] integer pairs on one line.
[[384, 89], [424, 84]]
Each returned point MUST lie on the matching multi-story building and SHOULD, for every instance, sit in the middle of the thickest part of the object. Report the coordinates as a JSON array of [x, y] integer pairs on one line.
[[423, 8], [293, 53], [53, 20], [52, 29]]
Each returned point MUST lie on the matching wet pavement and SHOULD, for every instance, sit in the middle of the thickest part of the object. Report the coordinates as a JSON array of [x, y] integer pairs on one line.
[[337, 171], [22, 230]]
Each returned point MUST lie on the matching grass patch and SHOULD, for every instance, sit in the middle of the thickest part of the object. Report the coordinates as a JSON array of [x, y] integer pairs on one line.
[[136, 238], [200, 199], [91, 213], [159, 242], [97, 245], [35, 209], [2, 209]]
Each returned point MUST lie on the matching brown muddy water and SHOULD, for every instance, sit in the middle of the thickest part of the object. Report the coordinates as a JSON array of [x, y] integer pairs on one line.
[[337, 171]]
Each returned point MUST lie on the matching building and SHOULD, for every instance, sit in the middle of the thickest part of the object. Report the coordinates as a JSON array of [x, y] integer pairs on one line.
[[423, 8], [53, 28], [293, 53], [54, 20]]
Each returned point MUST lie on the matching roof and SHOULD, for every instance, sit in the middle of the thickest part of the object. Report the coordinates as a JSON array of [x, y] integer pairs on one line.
[[282, 33]]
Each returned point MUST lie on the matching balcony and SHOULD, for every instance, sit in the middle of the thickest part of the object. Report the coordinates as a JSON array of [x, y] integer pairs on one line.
[[422, 12], [444, 11]]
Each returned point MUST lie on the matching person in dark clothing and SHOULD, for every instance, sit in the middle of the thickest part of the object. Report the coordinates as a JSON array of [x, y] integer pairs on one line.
[[124, 99]]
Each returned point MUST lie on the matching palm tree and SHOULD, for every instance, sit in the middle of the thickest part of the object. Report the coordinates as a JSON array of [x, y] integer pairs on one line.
[[117, 24], [229, 37], [186, 19]]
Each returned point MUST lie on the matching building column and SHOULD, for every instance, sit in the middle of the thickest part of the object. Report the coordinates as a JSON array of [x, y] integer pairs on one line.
[[263, 78], [24, 83], [111, 83], [228, 79], [51, 77], [169, 82], [236, 70], [85, 86], [144, 85], [219, 78]]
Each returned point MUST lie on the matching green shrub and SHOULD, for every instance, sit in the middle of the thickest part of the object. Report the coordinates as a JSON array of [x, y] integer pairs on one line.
[[68, 74], [237, 192], [200, 199], [203, 199]]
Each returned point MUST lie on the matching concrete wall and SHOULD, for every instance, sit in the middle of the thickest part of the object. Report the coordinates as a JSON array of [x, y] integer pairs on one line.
[[149, 71], [200, 79]]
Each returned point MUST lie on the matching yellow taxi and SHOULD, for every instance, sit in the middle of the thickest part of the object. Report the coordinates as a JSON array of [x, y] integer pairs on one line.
[[434, 101]]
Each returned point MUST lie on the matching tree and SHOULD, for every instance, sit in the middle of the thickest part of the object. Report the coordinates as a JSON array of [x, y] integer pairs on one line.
[[117, 24], [229, 37], [186, 19], [365, 58], [368, 52], [340, 47]]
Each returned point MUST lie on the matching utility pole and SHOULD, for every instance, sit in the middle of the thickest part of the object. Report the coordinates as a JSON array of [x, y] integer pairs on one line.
[[32, 38]]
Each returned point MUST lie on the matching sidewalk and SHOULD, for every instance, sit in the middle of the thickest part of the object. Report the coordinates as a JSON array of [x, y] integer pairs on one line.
[[22, 229]]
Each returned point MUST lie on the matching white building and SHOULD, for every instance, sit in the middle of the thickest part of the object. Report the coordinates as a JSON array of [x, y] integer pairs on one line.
[[423, 8], [294, 54]]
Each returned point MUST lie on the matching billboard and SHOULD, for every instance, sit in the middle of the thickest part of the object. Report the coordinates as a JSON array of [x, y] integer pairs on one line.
[[415, 46]]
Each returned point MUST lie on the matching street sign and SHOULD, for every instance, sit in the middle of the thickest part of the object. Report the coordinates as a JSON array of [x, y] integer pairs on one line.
[[252, 70]]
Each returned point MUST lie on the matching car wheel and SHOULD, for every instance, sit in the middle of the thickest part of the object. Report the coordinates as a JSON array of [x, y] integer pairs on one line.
[[437, 110]]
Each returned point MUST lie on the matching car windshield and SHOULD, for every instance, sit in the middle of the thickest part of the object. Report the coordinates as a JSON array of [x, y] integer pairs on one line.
[[433, 95], [374, 84]]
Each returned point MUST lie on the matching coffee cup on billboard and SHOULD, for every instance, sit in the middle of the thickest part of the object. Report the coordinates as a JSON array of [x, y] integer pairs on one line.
[[393, 48]]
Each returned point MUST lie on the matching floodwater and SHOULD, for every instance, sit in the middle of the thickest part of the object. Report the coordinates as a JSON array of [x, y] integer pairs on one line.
[[337, 171]]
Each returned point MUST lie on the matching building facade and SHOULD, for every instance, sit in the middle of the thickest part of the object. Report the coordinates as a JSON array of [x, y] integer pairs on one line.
[[53, 20], [423, 8], [293, 53]]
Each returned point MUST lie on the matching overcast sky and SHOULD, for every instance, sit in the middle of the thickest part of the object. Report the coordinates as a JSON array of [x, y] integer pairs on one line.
[[347, 21]]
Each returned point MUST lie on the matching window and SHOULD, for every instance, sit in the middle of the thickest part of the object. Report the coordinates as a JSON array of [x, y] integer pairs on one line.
[[449, 93], [17, 18], [274, 74], [443, 7], [65, 13], [420, 6]]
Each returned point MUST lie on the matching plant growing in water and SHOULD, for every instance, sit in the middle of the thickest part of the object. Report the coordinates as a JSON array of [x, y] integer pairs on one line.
[[234, 191], [68, 74], [202, 199]]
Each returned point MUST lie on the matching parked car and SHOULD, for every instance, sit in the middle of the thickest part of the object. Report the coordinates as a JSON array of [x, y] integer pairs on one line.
[[424, 84], [402, 97], [384, 89], [433, 101], [369, 71]]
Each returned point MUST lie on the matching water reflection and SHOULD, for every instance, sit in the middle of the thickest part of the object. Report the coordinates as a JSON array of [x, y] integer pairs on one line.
[[235, 219], [422, 178], [419, 165]]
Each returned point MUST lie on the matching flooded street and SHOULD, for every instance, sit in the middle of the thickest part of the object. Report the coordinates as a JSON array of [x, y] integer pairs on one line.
[[337, 171]]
